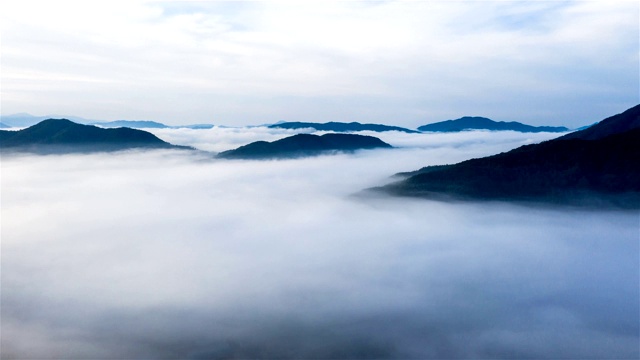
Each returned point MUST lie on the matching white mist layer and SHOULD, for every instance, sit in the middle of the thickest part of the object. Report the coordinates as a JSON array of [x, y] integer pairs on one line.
[[219, 139], [169, 255]]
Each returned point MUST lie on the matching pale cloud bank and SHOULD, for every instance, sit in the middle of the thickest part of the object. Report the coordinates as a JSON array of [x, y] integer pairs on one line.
[[171, 255], [219, 139]]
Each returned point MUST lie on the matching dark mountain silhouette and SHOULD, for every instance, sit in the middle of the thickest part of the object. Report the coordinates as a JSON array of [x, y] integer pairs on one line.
[[481, 123], [584, 127], [598, 166], [64, 136], [340, 127], [304, 145], [615, 124]]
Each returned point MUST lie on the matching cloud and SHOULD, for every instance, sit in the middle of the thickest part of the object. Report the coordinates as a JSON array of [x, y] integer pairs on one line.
[[167, 254], [407, 62], [220, 139], [450, 146]]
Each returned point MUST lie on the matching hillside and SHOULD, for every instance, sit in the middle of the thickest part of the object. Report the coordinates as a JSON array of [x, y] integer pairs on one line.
[[481, 123], [304, 145], [63, 136], [628, 120], [595, 166]]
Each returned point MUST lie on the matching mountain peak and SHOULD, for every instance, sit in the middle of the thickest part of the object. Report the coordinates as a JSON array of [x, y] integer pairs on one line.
[[304, 145], [63, 135]]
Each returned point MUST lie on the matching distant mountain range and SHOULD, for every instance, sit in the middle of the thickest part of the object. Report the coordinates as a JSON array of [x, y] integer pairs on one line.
[[340, 127], [465, 123], [304, 145], [136, 124], [24, 120], [482, 123], [65, 136], [597, 166], [146, 124]]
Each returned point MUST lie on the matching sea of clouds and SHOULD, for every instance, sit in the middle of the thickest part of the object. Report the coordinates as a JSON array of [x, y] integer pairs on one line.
[[176, 254]]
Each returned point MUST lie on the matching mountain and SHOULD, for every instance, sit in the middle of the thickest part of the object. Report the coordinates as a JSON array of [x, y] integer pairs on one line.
[[584, 127], [340, 127], [481, 123], [598, 166], [196, 126], [612, 125], [24, 120], [304, 145], [146, 124], [136, 124], [65, 136]]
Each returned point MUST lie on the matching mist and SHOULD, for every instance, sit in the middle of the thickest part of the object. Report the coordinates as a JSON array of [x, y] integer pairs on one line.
[[172, 254]]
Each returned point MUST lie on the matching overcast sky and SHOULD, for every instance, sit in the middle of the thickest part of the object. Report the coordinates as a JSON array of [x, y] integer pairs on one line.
[[403, 63]]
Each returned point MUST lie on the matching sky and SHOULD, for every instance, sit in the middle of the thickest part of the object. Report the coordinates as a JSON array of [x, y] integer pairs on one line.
[[405, 63], [175, 255]]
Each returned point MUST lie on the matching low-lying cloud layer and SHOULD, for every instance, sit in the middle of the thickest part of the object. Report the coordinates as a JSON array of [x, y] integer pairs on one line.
[[173, 255], [482, 143]]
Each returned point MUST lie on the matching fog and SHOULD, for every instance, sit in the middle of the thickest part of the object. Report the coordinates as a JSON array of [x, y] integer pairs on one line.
[[479, 143], [173, 254]]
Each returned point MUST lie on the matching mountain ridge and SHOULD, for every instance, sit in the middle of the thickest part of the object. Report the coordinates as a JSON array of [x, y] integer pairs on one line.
[[147, 124], [340, 126], [302, 145], [597, 166], [21, 120], [626, 120], [482, 123], [65, 136]]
